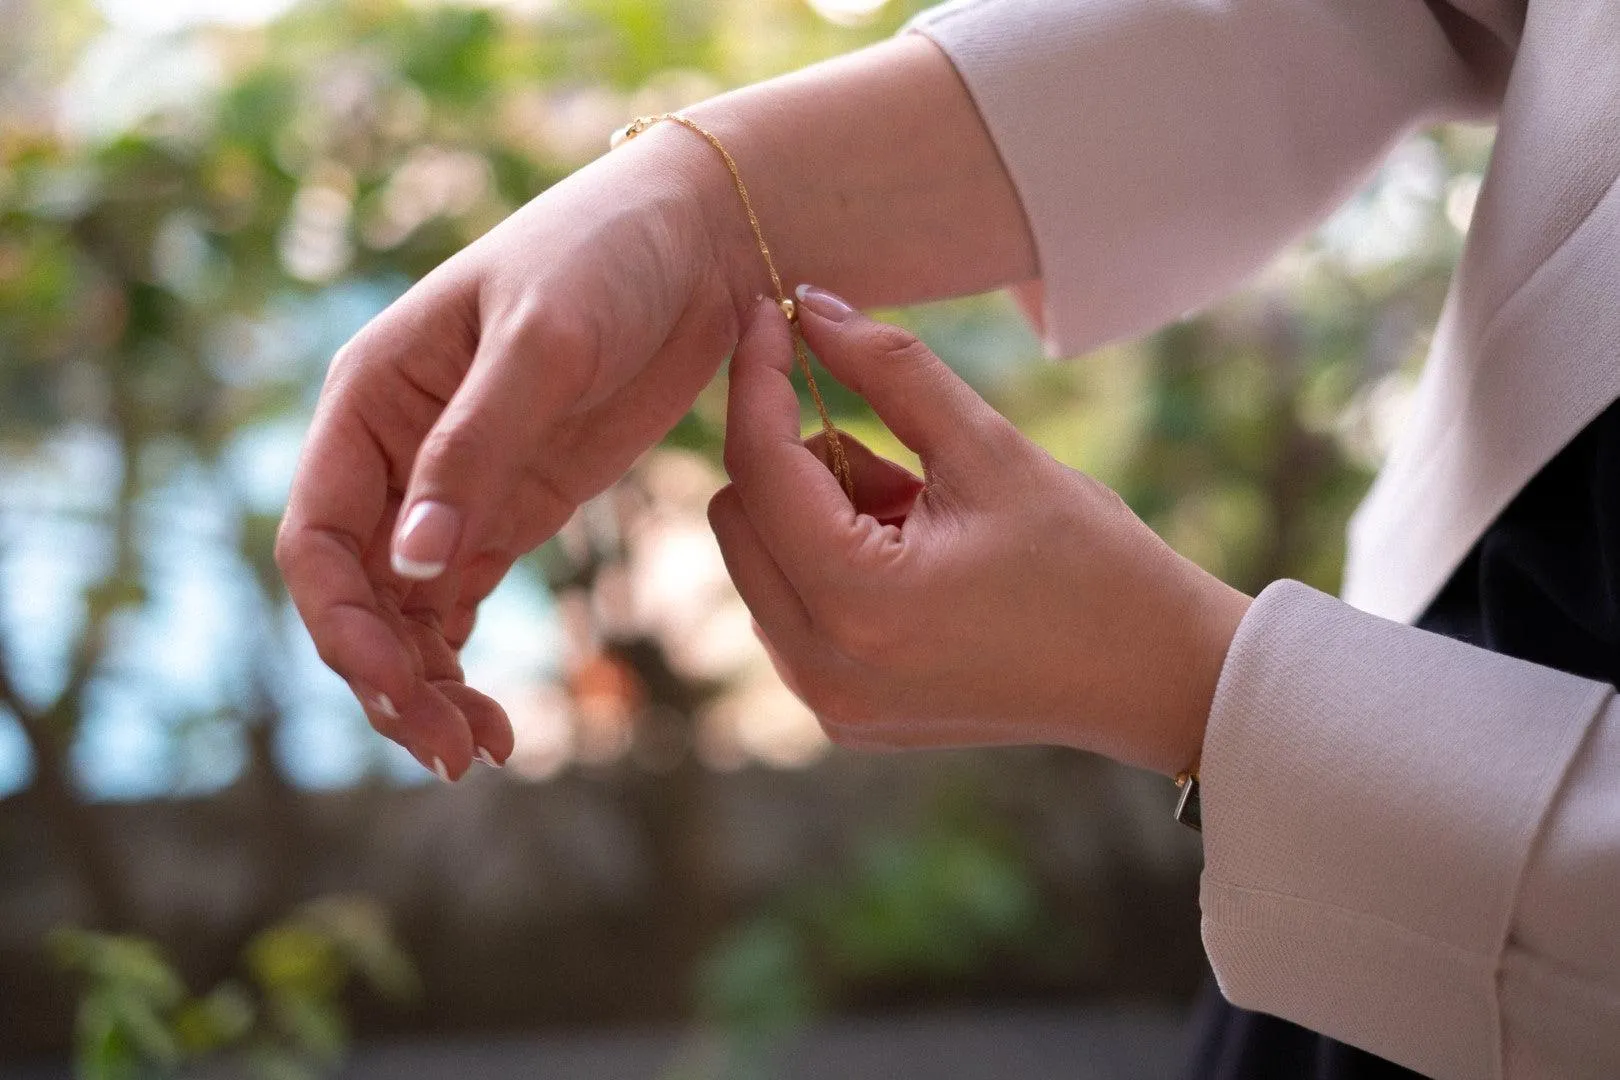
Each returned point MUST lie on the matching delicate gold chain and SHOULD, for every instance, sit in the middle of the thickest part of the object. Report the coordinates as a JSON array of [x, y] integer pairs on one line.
[[835, 447]]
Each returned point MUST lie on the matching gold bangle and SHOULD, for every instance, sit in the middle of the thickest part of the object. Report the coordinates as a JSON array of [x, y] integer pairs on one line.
[[835, 447]]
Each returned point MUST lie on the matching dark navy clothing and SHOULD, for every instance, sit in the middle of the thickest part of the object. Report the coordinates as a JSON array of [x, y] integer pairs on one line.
[[1542, 584]]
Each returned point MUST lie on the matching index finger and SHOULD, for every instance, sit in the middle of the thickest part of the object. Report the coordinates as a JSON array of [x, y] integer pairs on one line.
[[790, 497], [338, 501]]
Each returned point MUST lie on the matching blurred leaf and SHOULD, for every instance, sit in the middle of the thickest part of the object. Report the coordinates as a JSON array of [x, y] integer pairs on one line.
[[358, 929], [217, 1020], [311, 1025], [926, 905], [135, 1018], [448, 53], [149, 1035], [120, 964], [291, 960], [102, 1050], [758, 979]]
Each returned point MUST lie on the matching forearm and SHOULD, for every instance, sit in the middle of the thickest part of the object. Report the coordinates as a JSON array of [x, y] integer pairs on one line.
[[872, 174]]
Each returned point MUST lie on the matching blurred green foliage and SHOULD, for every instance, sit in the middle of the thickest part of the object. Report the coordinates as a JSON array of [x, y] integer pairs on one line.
[[285, 1020], [935, 905], [927, 905]]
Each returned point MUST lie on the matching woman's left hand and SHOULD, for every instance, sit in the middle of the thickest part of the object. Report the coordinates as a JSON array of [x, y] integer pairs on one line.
[[1002, 598]]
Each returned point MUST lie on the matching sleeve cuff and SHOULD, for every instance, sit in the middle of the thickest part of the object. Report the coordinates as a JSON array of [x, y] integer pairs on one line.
[[1165, 149], [1371, 796]]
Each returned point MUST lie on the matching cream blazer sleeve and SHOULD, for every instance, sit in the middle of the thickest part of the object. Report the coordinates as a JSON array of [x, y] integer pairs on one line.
[[1412, 845]]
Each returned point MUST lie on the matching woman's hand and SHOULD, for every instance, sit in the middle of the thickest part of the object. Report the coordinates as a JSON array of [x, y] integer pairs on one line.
[[1003, 598], [463, 425]]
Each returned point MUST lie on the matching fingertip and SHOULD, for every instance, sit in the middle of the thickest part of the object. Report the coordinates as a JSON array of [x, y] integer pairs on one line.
[[427, 538], [722, 504], [434, 730], [766, 338], [824, 305], [492, 737], [444, 763]]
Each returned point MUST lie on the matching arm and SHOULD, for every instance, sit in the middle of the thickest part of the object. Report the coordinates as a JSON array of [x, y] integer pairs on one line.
[[1164, 149], [1412, 844], [462, 426], [873, 172], [1157, 151]]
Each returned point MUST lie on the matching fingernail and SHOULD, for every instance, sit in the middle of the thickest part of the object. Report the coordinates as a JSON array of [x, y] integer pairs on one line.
[[374, 700], [426, 540], [440, 771], [823, 303], [488, 758]]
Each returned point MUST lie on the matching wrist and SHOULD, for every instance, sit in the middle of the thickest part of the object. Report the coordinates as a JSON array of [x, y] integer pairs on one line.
[[1213, 625], [713, 218]]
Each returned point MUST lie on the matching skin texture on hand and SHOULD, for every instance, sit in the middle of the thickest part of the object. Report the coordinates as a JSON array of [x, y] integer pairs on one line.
[[462, 426], [1001, 598]]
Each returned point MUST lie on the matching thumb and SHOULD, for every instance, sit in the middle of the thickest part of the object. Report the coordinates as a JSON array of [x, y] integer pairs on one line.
[[924, 402]]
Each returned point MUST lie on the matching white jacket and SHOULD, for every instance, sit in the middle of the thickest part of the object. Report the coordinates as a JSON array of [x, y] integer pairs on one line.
[[1412, 845]]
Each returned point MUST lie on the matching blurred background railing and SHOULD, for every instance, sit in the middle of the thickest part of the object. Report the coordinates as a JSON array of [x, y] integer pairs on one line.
[[199, 202]]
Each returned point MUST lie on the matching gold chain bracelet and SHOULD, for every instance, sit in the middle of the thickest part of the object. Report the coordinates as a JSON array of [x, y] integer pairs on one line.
[[835, 447]]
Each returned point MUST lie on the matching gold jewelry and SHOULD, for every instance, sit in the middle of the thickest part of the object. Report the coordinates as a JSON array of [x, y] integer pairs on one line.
[[835, 447]]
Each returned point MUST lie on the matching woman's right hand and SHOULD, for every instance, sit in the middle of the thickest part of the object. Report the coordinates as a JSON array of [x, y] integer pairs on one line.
[[462, 426]]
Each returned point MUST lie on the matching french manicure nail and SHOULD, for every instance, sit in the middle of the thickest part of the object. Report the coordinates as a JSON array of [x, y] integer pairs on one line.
[[440, 771], [823, 303], [488, 758], [426, 540], [374, 700]]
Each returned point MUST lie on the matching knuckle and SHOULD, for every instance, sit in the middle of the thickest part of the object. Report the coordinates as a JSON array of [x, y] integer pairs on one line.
[[898, 346], [350, 353], [328, 657], [564, 337], [286, 549], [569, 345], [295, 549], [724, 510], [367, 344], [457, 449], [1094, 498], [733, 457], [326, 649], [996, 434], [1113, 503]]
